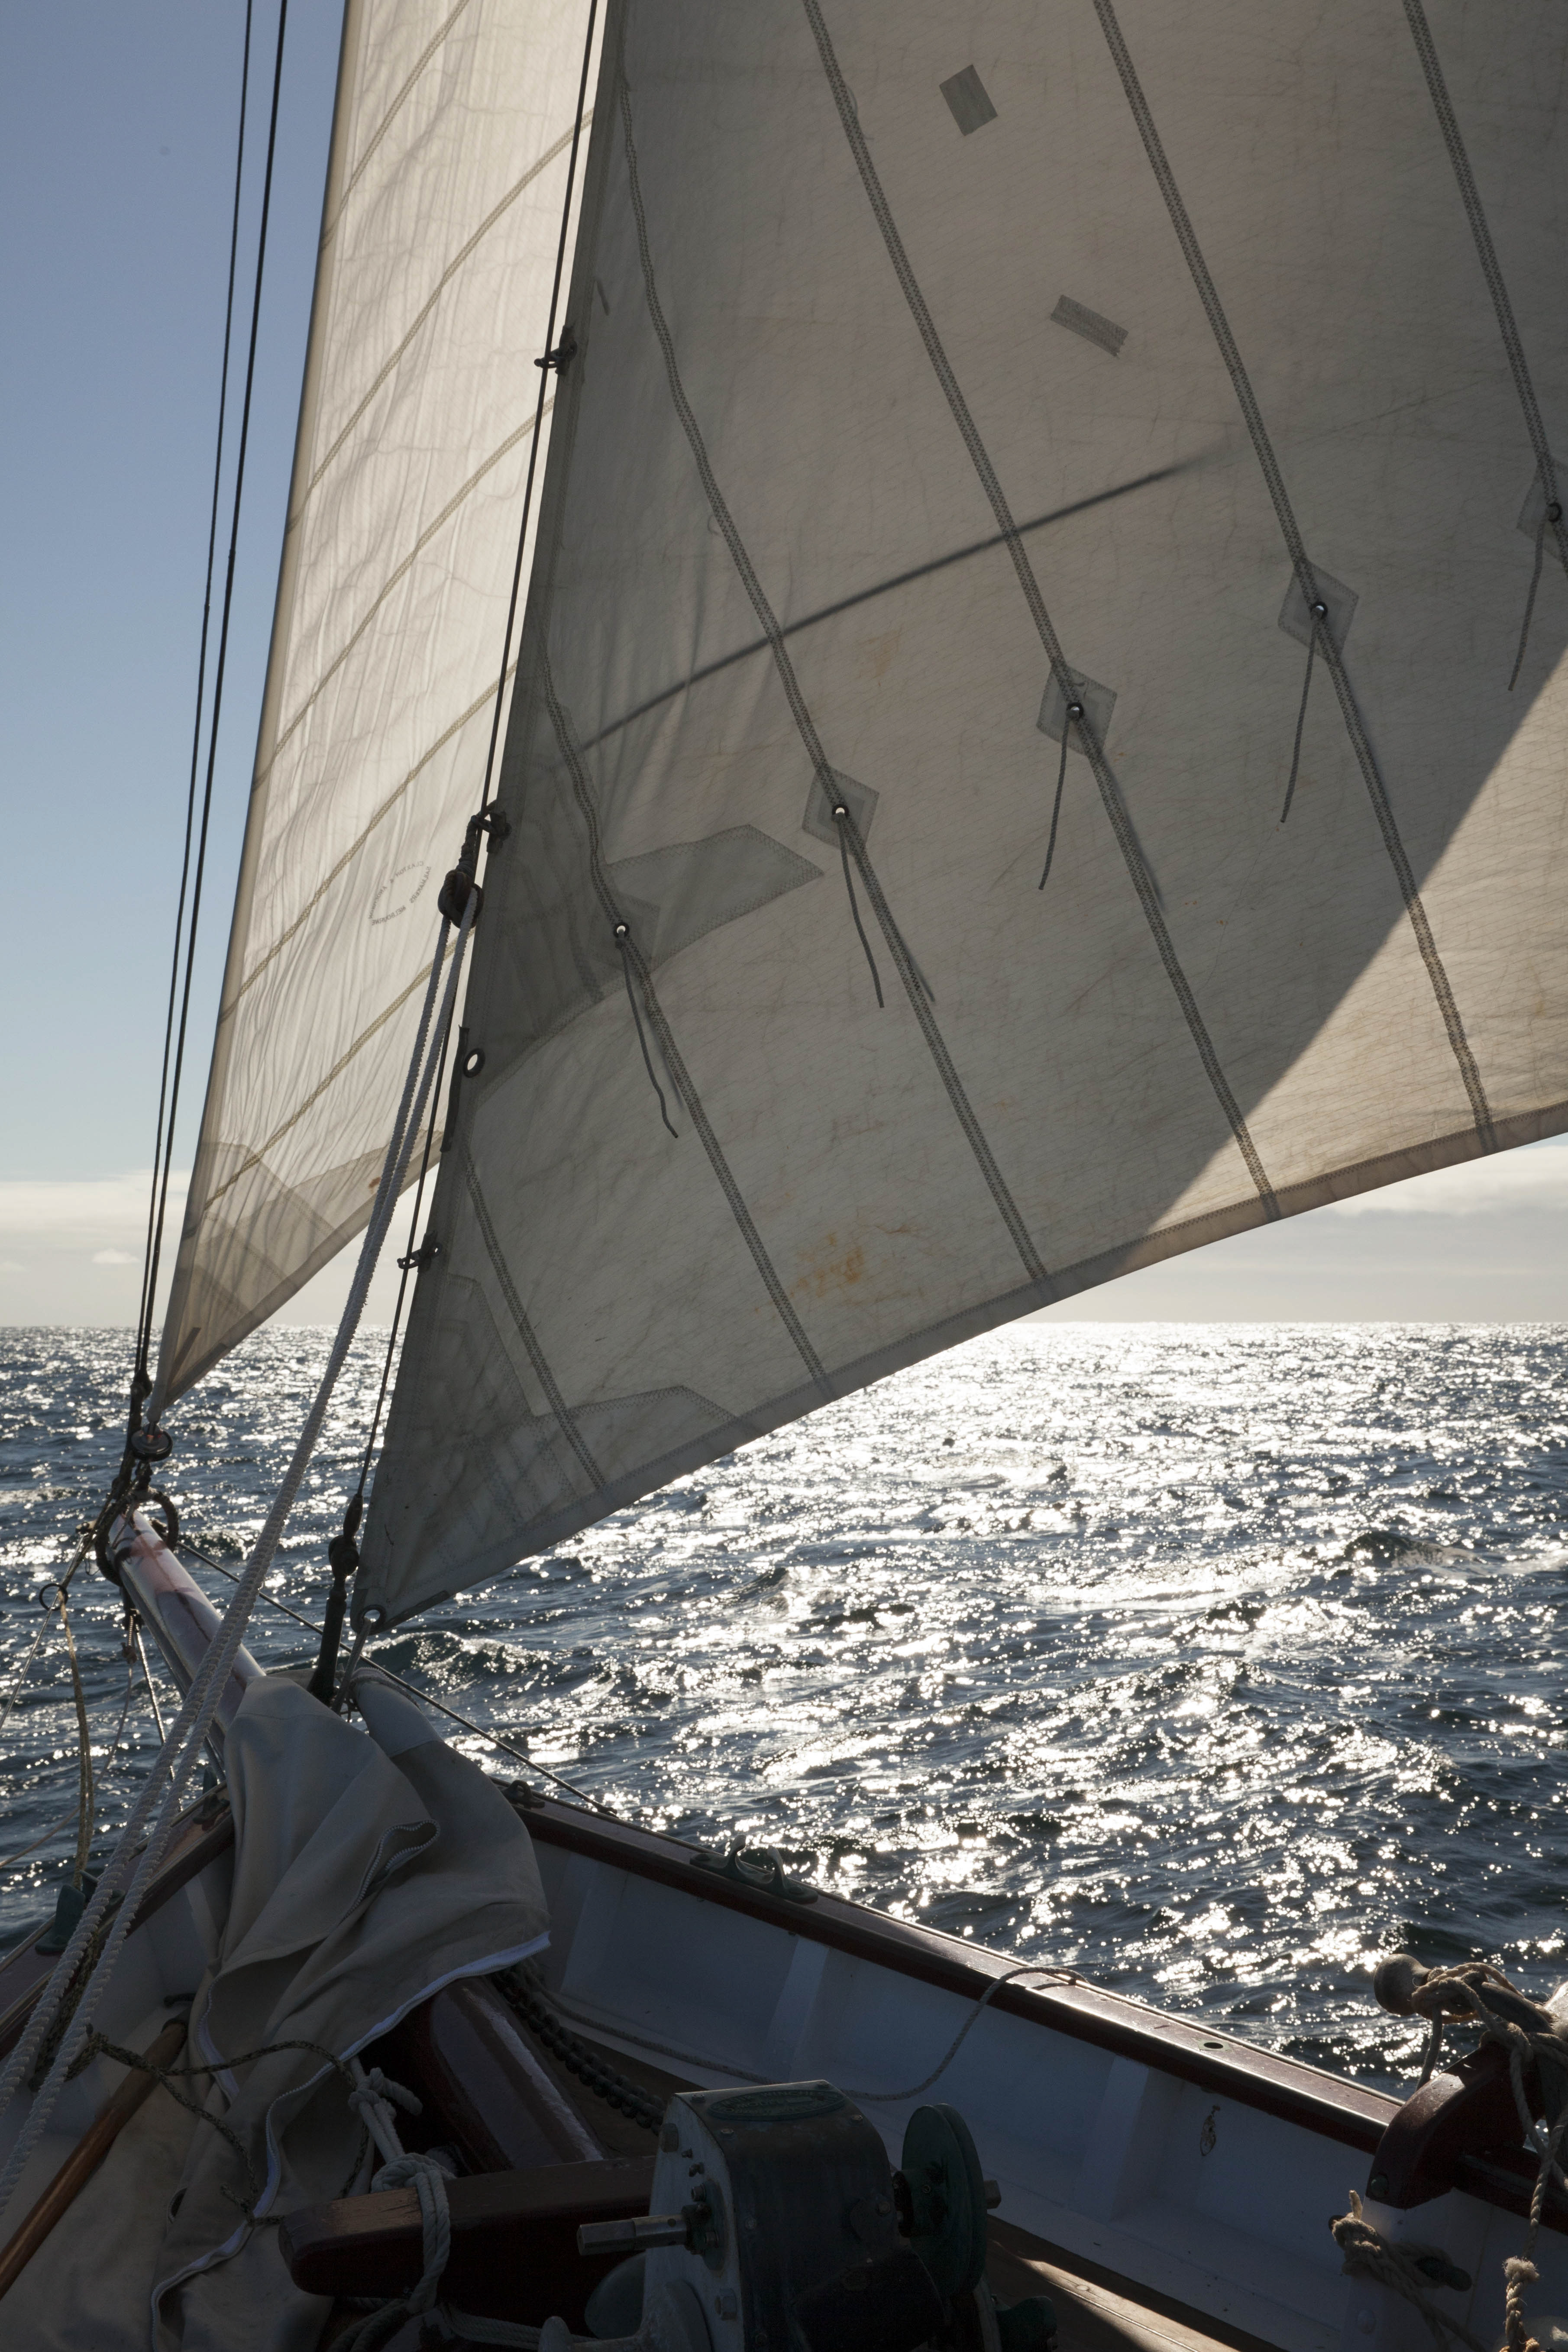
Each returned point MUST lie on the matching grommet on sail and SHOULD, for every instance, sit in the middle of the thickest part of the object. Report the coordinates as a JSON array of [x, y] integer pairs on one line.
[[897, 399], [851, 479], [960, 423]]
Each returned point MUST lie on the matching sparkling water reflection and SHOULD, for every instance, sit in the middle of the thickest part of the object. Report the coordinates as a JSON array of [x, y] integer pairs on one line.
[[1211, 1661]]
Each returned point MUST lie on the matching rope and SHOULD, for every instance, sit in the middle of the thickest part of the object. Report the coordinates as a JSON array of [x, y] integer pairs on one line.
[[1315, 616], [125, 1875], [1454, 1994], [85, 1791], [1550, 512], [1057, 804], [163, 1148], [1368, 2254], [426, 1698], [624, 941], [742, 2074], [66, 1820], [373, 2098], [98, 2046], [841, 825]]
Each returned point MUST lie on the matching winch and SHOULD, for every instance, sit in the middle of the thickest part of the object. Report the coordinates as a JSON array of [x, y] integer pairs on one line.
[[776, 2224]]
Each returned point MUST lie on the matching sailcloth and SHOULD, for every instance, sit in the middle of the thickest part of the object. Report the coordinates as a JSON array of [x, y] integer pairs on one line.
[[1066, 431], [439, 236]]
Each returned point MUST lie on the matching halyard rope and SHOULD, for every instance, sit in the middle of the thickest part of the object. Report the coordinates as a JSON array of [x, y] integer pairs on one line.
[[1462, 1993], [1369, 2254], [128, 1875]]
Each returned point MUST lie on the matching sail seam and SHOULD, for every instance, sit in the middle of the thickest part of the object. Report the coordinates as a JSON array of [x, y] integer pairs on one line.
[[952, 1083], [680, 1077], [298, 1113], [388, 805], [1023, 1242], [536, 1355], [1263, 449], [1491, 269], [387, 120], [463, 254], [398, 573], [1109, 789]]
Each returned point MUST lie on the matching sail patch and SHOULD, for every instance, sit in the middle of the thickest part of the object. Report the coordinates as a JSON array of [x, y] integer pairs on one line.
[[1342, 602], [562, 948], [1089, 325], [968, 100], [860, 800], [1099, 703], [1532, 515]]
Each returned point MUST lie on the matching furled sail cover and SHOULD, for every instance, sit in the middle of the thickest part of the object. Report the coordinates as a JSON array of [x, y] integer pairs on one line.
[[976, 408], [443, 214]]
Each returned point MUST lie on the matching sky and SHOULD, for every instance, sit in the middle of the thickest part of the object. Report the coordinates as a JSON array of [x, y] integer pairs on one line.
[[117, 128]]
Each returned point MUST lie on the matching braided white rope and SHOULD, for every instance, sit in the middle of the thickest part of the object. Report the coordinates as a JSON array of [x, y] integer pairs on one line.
[[126, 1875], [1369, 2254]]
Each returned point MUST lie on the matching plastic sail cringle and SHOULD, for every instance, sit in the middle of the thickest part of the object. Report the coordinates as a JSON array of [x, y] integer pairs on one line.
[[972, 407], [440, 230]]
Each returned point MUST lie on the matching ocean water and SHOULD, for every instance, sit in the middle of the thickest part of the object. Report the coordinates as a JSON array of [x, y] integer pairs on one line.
[[1210, 1661]]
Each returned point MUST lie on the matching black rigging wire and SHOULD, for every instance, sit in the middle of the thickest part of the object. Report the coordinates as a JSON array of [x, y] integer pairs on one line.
[[159, 1188], [553, 358], [162, 1181], [343, 1552]]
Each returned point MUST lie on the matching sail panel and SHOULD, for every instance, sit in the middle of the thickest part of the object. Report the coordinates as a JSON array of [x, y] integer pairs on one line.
[[440, 229], [981, 456]]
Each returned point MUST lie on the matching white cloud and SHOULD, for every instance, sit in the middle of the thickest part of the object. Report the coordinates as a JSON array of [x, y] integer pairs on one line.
[[11, 1265], [103, 1214], [1535, 1177]]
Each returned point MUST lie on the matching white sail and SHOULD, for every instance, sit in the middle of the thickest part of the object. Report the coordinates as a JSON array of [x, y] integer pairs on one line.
[[950, 380], [440, 237]]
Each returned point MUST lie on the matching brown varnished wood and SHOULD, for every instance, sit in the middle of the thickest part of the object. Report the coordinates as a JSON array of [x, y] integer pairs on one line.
[[85, 2159], [514, 2238], [24, 1972]]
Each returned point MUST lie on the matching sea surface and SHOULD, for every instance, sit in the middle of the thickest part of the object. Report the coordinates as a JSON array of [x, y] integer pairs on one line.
[[1211, 1661]]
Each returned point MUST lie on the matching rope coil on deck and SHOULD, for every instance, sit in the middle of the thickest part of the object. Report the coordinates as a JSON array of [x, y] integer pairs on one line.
[[1369, 2254], [1475, 1993]]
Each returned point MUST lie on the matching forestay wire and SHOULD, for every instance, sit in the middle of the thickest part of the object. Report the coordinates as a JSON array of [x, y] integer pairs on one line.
[[129, 1872], [191, 881], [344, 1552]]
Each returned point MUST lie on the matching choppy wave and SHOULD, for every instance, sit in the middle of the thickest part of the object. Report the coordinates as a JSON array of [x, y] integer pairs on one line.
[[1208, 1659]]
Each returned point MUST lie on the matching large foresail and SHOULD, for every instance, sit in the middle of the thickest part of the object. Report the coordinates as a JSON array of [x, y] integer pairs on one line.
[[442, 218], [1082, 435]]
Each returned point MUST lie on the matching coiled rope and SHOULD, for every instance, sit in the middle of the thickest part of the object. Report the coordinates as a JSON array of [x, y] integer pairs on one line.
[[1369, 2254], [128, 1874], [1471, 1993]]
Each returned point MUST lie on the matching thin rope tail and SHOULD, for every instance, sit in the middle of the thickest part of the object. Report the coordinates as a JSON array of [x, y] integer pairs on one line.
[[133, 1865], [1550, 512], [1318, 614], [1072, 711], [624, 941], [84, 1752], [841, 818]]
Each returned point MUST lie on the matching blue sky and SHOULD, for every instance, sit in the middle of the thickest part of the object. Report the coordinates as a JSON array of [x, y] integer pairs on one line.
[[116, 150]]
